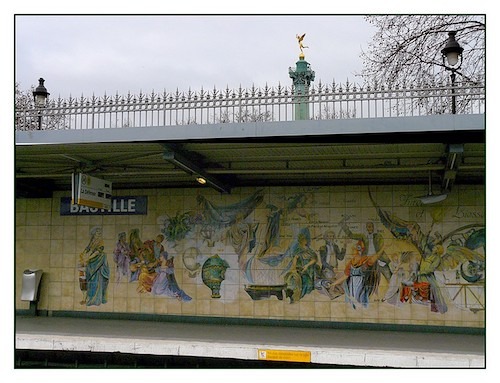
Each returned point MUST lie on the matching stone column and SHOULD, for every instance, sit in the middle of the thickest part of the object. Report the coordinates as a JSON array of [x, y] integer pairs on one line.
[[302, 77]]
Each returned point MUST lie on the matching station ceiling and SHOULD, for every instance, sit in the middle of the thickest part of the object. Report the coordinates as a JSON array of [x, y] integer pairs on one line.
[[42, 169]]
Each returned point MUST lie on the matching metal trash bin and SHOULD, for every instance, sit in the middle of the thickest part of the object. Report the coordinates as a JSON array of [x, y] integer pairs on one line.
[[31, 283]]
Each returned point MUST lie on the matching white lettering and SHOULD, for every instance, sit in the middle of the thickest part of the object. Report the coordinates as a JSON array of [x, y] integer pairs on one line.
[[125, 205], [131, 205]]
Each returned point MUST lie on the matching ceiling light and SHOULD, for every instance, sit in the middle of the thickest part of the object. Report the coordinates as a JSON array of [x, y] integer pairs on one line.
[[191, 168]]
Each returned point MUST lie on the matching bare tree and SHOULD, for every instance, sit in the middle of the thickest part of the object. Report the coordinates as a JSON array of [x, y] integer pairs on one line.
[[406, 49], [26, 118], [23, 101], [328, 114], [252, 115]]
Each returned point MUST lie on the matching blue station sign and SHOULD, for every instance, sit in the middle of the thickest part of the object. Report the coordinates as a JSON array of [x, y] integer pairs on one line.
[[119, 206]]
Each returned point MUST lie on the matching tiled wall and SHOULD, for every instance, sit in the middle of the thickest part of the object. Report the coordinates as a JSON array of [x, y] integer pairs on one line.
[[258, 236]]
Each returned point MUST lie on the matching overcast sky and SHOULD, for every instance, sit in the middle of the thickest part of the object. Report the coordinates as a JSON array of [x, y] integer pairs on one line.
[[96, 54]]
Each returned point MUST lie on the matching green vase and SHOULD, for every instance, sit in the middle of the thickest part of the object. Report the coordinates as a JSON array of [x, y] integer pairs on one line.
[[213, 273]]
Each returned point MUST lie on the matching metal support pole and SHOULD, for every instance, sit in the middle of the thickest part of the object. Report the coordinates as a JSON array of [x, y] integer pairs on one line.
[[453, 97]]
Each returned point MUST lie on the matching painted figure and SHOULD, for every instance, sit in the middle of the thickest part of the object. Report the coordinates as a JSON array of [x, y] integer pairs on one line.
[[150, 259], [94, 260], [242, 237], [121, 256], [360, 276], [398, 276], [372, 243], [135, 245], [330, 255], [408, 283], [426, 277], [303, 267], [165, 282]]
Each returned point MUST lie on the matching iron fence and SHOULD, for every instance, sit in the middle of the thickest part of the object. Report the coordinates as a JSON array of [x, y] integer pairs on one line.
[[332, 101]]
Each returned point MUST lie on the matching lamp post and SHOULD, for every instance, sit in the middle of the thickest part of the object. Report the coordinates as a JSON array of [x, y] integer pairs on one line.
[[452, 61], [40, 96]]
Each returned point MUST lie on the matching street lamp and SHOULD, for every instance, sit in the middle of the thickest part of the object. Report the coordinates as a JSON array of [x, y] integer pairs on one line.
[[452, 61], [40, 96]]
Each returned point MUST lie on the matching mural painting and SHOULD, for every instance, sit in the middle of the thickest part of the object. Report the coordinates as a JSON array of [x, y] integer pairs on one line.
[[287, 249], [148, 264], [94, 270]]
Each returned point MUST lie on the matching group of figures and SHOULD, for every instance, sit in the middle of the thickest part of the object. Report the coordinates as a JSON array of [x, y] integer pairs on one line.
[[411, 272], [364, 267], [410, 276], [146, 263]]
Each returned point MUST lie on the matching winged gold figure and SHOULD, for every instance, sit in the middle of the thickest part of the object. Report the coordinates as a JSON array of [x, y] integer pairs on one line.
[[300, 39]]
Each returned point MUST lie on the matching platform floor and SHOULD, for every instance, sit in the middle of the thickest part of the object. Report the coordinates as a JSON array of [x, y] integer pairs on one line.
[[336, 347]]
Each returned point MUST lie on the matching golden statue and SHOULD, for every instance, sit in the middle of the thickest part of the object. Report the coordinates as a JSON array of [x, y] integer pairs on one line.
[[301, 46]]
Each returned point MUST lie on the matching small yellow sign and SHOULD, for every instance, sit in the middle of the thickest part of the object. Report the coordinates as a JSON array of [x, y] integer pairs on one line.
[[285, 355]]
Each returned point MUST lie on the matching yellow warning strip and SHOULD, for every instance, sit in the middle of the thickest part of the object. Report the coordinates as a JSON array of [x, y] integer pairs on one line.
[[285, 355]]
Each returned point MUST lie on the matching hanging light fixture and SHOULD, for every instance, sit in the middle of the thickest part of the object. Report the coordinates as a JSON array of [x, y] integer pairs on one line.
[[432, 198], [193, 169]]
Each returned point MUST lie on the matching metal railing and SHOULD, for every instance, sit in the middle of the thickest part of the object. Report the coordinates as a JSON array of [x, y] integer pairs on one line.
[[333, 101]]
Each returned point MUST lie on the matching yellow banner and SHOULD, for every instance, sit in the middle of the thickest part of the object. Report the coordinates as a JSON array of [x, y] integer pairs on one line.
[[285, 355], [90, 203]]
